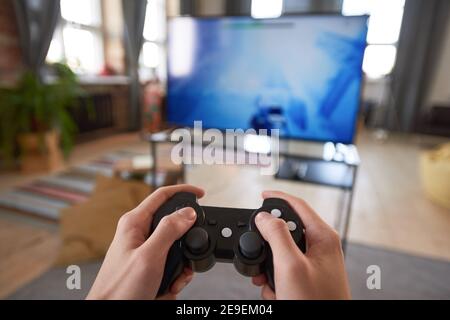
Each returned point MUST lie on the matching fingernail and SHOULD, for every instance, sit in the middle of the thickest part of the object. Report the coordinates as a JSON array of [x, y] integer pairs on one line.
[[188, 271], [183, 285], [188, 213], [262, 216]]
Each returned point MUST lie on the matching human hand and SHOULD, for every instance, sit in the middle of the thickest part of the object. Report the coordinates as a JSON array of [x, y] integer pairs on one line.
[[317, 274], [134, 264]]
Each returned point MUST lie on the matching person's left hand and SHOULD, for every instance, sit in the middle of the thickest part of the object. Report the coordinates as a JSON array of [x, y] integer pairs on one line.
[[134, 264]]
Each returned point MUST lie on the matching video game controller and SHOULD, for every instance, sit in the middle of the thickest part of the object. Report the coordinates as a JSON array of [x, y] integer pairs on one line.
[[224, 235]]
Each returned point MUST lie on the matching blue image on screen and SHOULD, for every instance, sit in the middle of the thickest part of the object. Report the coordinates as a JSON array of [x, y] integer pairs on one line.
[[301, 74]]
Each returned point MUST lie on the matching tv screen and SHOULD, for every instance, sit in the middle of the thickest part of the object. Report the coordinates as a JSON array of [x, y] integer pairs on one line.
[[300, 74]]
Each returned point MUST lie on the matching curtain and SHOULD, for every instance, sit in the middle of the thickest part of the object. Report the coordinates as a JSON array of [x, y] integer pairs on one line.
[[134, 18], [420, 42], [37, 20]]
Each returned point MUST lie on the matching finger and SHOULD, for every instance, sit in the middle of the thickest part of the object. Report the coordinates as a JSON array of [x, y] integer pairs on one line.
[[182, 281], [149, 206], [171, 228], [167, 296], [310, 218], [259, 280], [276, 233], [267, 293]]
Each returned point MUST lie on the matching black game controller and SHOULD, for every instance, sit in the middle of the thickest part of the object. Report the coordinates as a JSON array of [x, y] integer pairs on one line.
[[224, 235]]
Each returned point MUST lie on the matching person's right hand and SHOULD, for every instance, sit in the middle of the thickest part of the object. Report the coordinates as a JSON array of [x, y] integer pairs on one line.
[[317, 274]]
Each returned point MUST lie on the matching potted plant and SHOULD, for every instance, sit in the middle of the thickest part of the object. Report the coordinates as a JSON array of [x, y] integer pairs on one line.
[[35, 123]]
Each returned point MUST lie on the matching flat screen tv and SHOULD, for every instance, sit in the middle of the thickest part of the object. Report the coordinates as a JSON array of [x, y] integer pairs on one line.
[[299, 74]]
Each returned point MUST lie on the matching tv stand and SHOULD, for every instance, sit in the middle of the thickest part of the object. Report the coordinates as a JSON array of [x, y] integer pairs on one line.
[[332, 165], [317, 171]]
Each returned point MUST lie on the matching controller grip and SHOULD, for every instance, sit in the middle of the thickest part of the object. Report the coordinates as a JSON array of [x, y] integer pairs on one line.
[[270, 271], [173, 268]]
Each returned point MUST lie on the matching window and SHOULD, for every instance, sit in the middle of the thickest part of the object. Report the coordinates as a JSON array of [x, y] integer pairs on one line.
[[383, 33], [78, 39], [266, 9], [153, 56]]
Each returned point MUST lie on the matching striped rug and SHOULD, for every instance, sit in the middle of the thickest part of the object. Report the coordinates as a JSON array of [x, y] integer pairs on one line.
[[46, 196]]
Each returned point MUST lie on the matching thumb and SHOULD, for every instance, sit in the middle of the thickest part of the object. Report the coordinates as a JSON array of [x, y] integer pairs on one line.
[[275, 231], [171, 228]]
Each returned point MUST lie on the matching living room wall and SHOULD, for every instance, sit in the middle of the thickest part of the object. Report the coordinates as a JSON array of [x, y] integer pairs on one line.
[[11, 56]]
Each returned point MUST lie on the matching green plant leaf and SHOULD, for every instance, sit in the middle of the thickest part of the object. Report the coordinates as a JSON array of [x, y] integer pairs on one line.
[[36, 107]]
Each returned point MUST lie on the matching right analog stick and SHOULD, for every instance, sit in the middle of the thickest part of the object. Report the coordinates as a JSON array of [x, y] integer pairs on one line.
[[197, 240], [250, 244]]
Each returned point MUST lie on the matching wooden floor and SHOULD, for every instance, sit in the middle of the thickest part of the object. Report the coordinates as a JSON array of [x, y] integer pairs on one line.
[[390, 209]]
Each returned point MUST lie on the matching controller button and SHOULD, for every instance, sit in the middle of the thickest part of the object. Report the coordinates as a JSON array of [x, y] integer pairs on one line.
[[226, 232], [292, 226], [241, 224], [250, 245], [212, 222], [276, 213], [197, 240]]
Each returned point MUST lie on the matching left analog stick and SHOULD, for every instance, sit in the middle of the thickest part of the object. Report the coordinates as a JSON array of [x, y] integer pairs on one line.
[[197, 240]]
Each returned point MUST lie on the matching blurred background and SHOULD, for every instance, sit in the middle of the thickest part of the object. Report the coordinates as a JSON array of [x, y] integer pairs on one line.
[[86, 85]]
